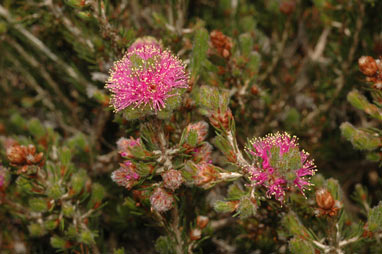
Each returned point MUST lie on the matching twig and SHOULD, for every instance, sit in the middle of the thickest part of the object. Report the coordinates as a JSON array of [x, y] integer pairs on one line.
[[175, 229], [240, 158]]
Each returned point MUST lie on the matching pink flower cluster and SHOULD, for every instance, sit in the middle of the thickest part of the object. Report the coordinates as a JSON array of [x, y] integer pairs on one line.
[[146, 76], [281, 165]]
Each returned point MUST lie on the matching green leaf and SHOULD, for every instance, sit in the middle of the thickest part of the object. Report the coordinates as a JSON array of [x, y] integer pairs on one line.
[[199, 53], [360, 139], [57, 242], [192, 138], [246, 44], [234, 192], [360, 102], [247, 207], [165, 245], [36, 128], [374, 221], [225, 206], [38, 204], [300, 246]]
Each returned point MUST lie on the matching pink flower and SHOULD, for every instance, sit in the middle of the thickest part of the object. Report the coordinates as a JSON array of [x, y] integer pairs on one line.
[[280, 164], [161, 200], [146, 76], [125, 176]]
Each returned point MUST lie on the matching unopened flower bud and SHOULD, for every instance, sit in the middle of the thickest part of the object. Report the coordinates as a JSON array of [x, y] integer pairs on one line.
[[36, 230], [378, 85], [87, 237], [15, 154], [201, 129], [58, 242], [367, 65], [202, 221], [195, 234], [324, 199], [221, 119], [202, 153], [221, 43], [205, 174], [172, 179], [126, 175], [126, 146], [161, 200], [255, 90]]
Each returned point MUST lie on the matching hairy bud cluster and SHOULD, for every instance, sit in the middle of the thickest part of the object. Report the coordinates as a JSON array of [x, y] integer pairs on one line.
[[221, 43], [326, 203], [372, 68], [172, 179], [161, 200]]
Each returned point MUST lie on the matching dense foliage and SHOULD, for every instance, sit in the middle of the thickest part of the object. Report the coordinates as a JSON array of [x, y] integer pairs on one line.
[[171, 126]]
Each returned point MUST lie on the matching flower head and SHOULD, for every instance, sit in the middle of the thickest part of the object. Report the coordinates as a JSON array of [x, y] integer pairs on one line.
[[146, 76], [126, 175], [280, 164]]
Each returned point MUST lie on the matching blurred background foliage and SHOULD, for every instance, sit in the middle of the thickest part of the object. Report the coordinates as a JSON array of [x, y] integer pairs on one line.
[[288, 65]]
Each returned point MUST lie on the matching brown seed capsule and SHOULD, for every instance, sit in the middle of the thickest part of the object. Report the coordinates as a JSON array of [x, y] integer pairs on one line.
[[367, 65], [255, 90], [324, 199], [195, 234], [202, 221]]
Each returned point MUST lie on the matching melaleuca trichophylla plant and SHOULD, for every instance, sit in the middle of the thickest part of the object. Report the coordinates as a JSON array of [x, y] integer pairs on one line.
[[49, 196], [170, 158]]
